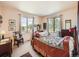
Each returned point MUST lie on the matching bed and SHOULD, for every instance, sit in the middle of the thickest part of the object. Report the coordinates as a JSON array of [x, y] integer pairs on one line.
[[68, 40]]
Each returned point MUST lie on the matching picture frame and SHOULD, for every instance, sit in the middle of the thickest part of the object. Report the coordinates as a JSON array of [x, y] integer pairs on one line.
[[68, 24], [12, 25]]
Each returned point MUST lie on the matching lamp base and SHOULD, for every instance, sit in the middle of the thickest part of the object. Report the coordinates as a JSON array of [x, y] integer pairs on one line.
[[2, 36]]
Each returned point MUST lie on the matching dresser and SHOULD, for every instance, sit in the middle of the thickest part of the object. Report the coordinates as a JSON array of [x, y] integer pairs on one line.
[[5, 48]]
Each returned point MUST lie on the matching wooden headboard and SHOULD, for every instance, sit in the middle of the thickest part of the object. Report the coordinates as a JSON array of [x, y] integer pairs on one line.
[[69, 32], [65, 33]]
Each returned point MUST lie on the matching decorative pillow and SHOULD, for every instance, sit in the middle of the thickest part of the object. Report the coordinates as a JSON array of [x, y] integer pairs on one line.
[[36, 34]]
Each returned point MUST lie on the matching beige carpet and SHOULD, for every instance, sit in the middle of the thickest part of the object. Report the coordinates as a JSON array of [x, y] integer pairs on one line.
[[24, 48]]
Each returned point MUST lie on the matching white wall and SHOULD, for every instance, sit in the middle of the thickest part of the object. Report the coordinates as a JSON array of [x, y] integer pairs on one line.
[[12, 13], [67, 14], [7, 13], [37, 20]]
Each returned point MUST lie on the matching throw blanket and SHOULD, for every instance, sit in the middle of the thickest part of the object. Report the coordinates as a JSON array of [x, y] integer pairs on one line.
[[52, 41], [57, 42]]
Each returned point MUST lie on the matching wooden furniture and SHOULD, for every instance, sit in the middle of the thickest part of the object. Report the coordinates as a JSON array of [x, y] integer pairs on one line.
[[5, 48], [18, 39], [48, 51], [72, 32]]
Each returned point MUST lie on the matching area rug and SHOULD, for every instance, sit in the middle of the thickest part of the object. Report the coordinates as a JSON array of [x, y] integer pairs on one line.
[[27, 55]]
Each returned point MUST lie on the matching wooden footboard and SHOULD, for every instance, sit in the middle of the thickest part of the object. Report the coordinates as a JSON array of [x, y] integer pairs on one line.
[[48, 51]]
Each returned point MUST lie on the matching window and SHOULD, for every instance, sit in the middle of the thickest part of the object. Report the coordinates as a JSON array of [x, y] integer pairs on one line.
[[26, 24], [30, 24], [54, 24], [50, 25], [23, 24], [57, 24]]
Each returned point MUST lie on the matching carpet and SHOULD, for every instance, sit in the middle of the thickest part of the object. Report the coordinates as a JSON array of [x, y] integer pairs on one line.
[[27, 55]]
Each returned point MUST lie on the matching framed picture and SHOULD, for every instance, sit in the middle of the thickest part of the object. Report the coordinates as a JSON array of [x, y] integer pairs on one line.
[[12, 25], [67, 24]]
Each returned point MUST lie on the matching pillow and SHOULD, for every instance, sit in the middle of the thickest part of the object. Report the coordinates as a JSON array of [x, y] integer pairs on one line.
[[45, 33], [36, 34]]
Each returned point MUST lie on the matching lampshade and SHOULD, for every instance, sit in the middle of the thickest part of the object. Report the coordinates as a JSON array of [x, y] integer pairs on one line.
[[2, 32]]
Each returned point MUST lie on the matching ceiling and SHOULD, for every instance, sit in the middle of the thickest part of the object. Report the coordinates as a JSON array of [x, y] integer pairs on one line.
[[40, 8]]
